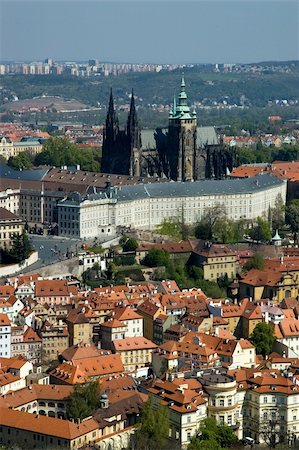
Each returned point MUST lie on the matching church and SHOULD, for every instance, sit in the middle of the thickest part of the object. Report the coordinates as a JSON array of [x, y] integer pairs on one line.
[[182, 152]]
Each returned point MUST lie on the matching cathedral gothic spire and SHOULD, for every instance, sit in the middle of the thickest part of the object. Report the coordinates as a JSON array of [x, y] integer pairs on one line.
[[111, 119], [133, 131]]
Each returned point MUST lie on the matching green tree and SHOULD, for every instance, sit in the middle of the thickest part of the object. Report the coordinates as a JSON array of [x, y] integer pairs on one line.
[[152, 429], [156, 257], [261, 231], [129, 244], [257, 261], [174, 228], [83, 400], [213, 435], [292, 217], [22, 161], [59, 152], [20, 247], [277, 214], [205, 228], [263, 338]]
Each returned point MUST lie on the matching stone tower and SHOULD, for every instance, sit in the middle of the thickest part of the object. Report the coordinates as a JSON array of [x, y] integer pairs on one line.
[[181, 152]]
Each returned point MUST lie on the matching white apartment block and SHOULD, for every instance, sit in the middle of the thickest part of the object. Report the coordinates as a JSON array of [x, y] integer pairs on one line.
[[5, 336], [144, 206]]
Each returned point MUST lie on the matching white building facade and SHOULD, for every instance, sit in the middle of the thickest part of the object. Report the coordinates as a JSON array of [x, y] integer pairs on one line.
[[5, 336], [146, 206]]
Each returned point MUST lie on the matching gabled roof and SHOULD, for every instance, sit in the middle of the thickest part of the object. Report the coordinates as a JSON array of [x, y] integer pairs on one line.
[[126, 313], [113, 323], [80, 351], [30, 336], [148, 308]]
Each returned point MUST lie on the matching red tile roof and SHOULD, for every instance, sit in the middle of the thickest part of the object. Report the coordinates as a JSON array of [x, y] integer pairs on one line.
[[46, 425], [133, 343]]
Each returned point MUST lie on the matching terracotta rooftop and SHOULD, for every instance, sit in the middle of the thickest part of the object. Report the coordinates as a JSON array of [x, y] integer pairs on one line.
[[51, 288], [133, 343], [126, 313], [33, 392], [46, 425], [4, 320], [7, 215], [80, 351]]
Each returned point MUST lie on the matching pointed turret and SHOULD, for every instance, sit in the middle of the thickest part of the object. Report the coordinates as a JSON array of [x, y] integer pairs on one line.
[[111, 119], [110, 136], [133, 131], [182, 109]]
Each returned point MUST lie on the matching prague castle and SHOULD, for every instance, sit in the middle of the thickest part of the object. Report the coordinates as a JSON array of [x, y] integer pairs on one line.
[[183, 152]]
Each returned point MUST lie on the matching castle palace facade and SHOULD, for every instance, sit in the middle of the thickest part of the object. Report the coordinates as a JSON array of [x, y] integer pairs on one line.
[[183, 152]]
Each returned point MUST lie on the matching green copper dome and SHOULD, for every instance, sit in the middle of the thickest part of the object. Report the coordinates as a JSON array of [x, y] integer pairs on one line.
[[181, 110]]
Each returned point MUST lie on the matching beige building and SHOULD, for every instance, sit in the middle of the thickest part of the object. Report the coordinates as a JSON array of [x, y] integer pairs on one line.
[[79, 327], [55, 339], [10, 224], [135, 352], [216, 260], [10, 149]]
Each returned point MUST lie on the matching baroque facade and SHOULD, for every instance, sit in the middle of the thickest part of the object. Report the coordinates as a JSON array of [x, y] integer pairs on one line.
[[183, 152]]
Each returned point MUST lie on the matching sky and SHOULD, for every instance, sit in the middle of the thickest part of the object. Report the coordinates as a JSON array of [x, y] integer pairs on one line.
[[156, 31]]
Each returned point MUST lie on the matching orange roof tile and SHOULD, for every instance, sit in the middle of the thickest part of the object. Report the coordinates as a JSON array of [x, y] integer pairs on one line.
[[46, 425], [133, 343], [4, 320]]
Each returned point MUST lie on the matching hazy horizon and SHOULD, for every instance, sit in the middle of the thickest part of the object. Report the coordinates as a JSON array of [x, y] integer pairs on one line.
[[153, 32]]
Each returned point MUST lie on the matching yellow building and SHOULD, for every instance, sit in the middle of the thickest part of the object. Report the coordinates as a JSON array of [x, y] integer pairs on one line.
[[259, 284], [78, 327], [135, 352], [10, 224], [55, 338], [149, 311], [10, 149], [216, 260]]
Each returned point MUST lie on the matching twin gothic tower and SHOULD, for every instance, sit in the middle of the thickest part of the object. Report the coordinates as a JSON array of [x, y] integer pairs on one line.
[[183, 152]]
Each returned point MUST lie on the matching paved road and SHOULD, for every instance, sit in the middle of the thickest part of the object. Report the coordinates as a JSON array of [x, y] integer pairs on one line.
[[52, 249]]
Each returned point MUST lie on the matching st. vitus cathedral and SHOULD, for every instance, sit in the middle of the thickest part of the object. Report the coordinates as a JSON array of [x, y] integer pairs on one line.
[[183, 152]]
